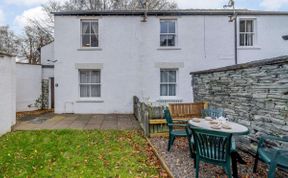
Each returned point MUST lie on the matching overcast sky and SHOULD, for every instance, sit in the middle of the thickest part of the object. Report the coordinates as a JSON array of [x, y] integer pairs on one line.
[[15, 12]]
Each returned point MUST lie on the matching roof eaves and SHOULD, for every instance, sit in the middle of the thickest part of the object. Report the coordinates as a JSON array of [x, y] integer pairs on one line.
[[168, 12]]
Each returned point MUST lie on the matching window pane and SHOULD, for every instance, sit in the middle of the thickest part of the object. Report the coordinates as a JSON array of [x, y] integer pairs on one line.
[[242, 39], [86, 40], [95, 77], [84, 76], [172, 76], [94, 27], [163, 40], [84, 91], [249, 40], [164, 90], [163, 27], [94, 40], [85, 27], [95, 91], [172, 90], [164, 76], [249, 26], [172, 27], [242, 26], [171, 40]]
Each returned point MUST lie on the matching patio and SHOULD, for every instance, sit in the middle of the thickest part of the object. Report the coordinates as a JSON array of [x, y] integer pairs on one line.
[[52, 121]]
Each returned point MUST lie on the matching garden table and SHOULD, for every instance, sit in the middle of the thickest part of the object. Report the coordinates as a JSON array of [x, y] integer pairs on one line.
[[235, 129]]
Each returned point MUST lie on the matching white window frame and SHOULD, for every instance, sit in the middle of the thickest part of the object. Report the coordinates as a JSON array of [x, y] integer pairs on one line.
[[254, 33], [79, 84], [167, 83], [175, 34], [81, 33]]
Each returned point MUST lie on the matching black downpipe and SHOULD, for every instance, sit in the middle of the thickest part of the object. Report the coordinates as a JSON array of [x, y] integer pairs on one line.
[[235, 40]]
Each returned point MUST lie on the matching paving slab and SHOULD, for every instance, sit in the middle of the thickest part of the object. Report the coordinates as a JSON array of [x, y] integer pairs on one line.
[[79, 121]]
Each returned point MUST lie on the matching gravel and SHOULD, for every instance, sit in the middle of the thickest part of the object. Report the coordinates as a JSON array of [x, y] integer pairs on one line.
[[181, 165]]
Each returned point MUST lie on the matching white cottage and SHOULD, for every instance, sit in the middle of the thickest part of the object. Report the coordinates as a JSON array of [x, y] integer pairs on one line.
[[103, 58]]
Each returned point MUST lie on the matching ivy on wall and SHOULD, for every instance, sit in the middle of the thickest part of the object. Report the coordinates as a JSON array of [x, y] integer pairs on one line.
[[42, 102]]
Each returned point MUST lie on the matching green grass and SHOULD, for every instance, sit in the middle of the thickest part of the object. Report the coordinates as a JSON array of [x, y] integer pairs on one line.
[[72, 153]]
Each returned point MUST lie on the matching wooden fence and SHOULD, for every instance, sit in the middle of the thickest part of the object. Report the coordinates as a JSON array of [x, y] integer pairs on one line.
[[151, 117]]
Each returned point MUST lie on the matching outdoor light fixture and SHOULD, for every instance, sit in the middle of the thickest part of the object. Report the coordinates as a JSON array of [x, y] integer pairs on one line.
[[231, 3], [285, 37], [145, 7]]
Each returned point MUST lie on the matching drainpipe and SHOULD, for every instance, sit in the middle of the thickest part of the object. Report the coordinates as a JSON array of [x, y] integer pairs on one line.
[[235, 40]]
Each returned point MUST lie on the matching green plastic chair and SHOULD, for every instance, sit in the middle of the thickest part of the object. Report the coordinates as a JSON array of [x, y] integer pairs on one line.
[[214, 113], [213, 147], [272, 156], [171, 125]]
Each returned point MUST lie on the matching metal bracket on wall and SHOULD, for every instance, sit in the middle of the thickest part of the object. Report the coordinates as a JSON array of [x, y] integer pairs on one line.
[[285, 37]]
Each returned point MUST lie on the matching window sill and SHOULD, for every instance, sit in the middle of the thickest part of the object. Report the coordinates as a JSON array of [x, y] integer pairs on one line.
[[169, 48], [169, 99], [90, 49], [90, 100], [248, 48]]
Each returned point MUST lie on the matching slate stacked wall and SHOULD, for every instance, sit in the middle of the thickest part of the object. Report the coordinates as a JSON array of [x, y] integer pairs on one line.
[[254, 94]]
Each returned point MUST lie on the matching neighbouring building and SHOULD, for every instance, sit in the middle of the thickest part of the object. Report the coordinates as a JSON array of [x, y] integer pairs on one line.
[[102, 59]]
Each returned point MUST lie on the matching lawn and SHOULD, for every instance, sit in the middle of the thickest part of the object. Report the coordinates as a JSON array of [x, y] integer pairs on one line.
[[73, 153]]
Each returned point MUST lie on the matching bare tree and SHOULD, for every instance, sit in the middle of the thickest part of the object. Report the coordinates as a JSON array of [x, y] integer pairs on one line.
[[35, 37], [119, 4], [9, 42]]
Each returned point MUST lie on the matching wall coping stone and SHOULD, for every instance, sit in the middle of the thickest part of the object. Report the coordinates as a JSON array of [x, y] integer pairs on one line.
[[27, 63], [263, 62]]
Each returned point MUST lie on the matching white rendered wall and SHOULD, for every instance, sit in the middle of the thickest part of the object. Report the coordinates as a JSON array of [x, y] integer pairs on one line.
[[28, 86], [130, 56], [8, 92], [47, 54], [119, 74], [47, 72]]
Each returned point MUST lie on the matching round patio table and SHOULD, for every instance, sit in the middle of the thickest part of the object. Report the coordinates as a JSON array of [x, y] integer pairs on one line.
[[236, 129]]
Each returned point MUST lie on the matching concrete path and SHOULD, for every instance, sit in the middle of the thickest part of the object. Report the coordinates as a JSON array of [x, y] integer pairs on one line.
[[78, 121]]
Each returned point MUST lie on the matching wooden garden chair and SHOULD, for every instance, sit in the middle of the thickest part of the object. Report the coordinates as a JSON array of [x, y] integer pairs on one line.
[[214, 113]]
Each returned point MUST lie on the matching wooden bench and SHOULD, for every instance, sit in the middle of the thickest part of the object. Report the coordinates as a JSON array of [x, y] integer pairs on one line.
[[179, 111], [186, 111]]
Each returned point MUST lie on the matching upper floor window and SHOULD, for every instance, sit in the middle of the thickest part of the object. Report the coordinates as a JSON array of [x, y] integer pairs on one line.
[[89, 33], [90, 83], [168, 82], [167, 33], [247, 32]]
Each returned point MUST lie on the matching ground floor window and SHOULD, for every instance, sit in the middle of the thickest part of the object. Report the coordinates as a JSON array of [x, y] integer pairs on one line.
[[90, 83], [168, 82]]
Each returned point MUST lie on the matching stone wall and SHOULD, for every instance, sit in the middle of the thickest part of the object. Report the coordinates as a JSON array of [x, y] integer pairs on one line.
[[254, 94]]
